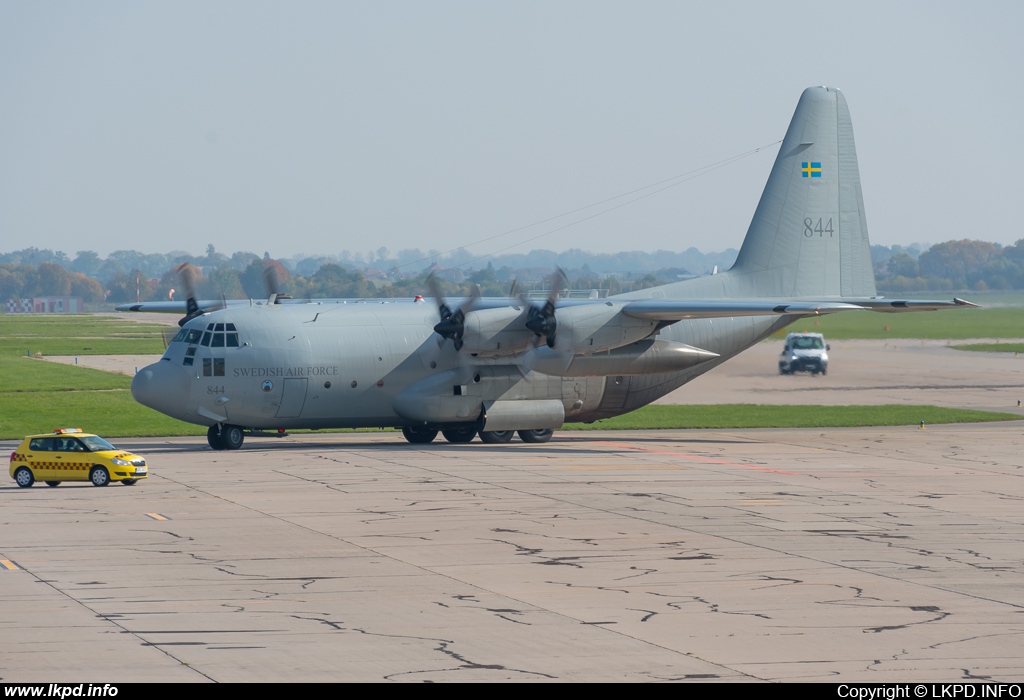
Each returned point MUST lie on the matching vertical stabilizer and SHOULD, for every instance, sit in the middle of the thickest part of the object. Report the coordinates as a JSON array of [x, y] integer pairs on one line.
[[809, 236]]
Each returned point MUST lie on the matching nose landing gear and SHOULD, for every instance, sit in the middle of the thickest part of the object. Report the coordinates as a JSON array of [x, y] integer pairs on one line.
[[225, 437]]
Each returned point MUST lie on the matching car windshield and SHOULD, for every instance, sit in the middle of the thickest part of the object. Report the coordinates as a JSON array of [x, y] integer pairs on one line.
[[96, 444], [807, 343]]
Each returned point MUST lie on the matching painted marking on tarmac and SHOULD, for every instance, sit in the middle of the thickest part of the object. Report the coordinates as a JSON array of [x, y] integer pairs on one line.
[[9, 565], [157, 516], [706, 460]]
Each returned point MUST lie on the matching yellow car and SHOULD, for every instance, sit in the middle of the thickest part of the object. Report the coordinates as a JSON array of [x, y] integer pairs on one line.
[[68, 454]]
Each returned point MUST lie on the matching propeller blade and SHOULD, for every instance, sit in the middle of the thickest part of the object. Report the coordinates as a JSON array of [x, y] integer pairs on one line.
[[453, 323], [542, 319], [188, 273], [270, 279], [443, 309], [168, 335]]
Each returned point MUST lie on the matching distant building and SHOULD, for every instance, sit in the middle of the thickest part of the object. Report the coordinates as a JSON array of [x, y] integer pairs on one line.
[[46, 305]]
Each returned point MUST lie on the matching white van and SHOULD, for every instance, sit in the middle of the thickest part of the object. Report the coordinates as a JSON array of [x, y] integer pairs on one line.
[[804, 352]]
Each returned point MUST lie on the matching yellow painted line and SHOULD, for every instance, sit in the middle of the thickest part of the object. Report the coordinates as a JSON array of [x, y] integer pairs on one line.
[[9, 565], [157, 516]]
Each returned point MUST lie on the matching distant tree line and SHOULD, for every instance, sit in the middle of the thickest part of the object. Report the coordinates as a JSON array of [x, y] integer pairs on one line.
[[953, 265]]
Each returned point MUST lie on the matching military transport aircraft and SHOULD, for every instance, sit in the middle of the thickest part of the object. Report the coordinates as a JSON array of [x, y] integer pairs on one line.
[[495, 367]]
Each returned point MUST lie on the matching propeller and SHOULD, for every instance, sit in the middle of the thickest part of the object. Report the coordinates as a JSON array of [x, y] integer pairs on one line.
[[453, 323], [167, 334], [188, 273], [541, 320], [272, 283]]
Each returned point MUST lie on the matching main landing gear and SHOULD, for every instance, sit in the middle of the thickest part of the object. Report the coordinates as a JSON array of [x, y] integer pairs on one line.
[[421, 435], [225, 437]]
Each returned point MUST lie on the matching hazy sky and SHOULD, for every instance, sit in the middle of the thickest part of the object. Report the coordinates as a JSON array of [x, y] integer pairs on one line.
[[317, 127]]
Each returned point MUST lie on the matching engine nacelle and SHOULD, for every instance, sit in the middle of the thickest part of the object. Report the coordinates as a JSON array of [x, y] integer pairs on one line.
[[499, 331], [592, 328]]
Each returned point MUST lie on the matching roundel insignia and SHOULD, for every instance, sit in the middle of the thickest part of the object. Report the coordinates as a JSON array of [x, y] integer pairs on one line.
[[268, 385]]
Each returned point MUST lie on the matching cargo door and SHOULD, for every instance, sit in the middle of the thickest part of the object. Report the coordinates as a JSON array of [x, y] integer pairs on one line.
[[293, 397]]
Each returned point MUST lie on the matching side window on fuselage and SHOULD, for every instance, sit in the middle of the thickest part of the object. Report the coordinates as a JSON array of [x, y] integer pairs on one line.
[[213, 366]]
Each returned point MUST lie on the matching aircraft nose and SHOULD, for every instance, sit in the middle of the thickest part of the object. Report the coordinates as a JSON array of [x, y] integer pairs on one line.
[[164, 387]]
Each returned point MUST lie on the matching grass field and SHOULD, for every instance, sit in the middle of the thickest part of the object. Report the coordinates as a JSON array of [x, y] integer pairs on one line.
[[954, 324], [38, 396], [765, 416], [992, 347], [113, 413], [69, 334]]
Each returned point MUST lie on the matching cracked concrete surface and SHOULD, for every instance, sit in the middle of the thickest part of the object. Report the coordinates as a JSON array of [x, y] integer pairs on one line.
[[839, 555]]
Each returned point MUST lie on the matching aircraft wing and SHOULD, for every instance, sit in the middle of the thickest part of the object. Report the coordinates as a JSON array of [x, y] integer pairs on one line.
[[177, 307], [680, 309], [903, 305], [180, 307]]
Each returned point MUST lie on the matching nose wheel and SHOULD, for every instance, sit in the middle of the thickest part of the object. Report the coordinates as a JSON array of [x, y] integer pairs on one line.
[[225, 437]]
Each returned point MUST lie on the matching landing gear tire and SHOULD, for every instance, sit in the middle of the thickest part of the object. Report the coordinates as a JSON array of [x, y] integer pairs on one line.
[[52, 483], [459, 435], [496, 437], [418, 435], [24, 477], [535, 436], [232, 437], [99, 476], [213, 436]]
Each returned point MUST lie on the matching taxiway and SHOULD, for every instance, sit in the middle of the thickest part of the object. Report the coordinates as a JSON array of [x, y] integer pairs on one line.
[[778, 555]]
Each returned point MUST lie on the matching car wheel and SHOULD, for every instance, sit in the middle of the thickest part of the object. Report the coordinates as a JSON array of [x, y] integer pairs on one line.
[[213, 436], [53, 483], [232, 436], [99, 476], [419, 435], [129, 482], [535, 436], [496, 437], [459, 435], [824, 371], [24, 477]]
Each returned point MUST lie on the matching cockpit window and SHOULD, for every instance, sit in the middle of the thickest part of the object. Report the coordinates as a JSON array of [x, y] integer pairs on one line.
[[187, 335], [216, 335]]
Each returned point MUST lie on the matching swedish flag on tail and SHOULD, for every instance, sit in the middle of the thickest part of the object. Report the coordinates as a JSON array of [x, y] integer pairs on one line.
[[811, 169]]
